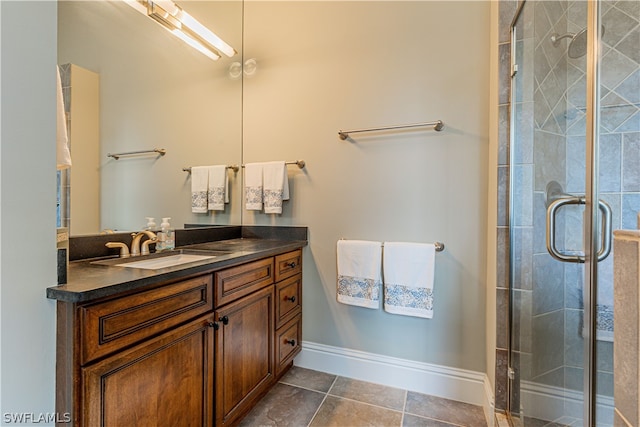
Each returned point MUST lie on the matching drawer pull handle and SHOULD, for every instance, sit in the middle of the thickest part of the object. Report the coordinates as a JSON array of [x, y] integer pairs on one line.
[[224, 320], [291, 342], [213, 325], [292, 298], [291, 264]]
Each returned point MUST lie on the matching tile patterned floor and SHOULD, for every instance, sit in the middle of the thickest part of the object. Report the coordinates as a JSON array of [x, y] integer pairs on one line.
[[316, 399]]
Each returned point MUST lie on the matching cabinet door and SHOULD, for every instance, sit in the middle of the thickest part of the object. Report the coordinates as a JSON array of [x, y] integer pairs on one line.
[[244, 354], [165, 381]]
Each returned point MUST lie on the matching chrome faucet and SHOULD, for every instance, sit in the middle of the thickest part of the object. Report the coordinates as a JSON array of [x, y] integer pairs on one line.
[[135, 243]]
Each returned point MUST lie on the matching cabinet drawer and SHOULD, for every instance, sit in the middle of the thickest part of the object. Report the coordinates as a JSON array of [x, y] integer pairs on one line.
[[236, 282], [288, 299], [112, 325], [288, 264], [288, 339]]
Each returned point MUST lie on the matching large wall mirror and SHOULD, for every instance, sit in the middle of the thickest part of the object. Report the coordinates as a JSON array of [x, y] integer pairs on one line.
[[154, 92]]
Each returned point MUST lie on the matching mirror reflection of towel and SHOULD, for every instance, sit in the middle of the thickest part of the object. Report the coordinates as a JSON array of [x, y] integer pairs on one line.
[[276, 186], [62, 141], [218, 187], [199, 183], [253, 186]]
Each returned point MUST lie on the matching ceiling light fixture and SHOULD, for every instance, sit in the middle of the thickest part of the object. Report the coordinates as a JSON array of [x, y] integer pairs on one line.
[[184, 26]]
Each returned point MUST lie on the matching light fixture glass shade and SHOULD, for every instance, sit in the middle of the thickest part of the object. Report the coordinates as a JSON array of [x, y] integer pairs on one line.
[[184, 26]]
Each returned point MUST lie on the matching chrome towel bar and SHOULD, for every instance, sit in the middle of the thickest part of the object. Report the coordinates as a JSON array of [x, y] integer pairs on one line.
[[234, 168], [437, 125], [160, 151], [300, 163], [438, 245]]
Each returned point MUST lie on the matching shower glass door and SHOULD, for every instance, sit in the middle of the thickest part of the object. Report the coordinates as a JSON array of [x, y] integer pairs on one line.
[[569, 121]]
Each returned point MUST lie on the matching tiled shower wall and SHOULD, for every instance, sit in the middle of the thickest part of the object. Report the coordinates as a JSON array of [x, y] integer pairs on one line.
[[551, 99]]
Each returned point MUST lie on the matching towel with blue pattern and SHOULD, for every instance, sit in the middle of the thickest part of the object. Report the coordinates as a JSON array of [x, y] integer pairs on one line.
[[359, 273], [408, 278]]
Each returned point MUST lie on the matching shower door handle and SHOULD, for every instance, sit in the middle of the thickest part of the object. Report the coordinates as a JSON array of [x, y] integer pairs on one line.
[[605, 236]]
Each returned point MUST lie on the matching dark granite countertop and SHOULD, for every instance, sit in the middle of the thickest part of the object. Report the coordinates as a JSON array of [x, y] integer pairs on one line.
[[89, 280]]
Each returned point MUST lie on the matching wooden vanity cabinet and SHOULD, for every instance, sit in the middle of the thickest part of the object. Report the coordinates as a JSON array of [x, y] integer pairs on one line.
[[244, 354], [139, 359], [167, 380], [259, 333], [194, 352]]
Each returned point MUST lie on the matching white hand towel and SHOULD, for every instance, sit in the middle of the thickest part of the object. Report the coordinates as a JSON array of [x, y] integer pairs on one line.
[[276, 186], [359, 272], [408, 278], [217, 189], [253, 186], [199, 188], [62, 141]]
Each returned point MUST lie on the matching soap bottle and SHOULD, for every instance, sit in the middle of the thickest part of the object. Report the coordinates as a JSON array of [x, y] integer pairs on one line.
[[151, 224], [166, 236]]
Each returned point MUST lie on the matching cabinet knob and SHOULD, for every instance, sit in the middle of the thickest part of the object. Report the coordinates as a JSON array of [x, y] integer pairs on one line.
[[213, 325], [224, 320], [291, 264], [292, 298], [291, 342]]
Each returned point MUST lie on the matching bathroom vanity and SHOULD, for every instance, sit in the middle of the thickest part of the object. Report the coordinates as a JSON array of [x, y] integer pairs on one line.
[[194, 344]]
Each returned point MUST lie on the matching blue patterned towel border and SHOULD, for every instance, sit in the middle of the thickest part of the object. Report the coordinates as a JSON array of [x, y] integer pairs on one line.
[[359, 291], [199, 201], [400, 299], [215, 197], [253, 198], [272, 201]]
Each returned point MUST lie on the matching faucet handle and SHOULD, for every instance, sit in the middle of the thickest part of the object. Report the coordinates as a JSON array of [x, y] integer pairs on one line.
[[145, 245], [124, 250]]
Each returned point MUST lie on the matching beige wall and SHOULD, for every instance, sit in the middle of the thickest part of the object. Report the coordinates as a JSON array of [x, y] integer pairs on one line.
[[325, 66]]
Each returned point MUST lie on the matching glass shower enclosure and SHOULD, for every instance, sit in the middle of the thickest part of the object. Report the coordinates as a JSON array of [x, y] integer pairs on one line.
[[574, 177]]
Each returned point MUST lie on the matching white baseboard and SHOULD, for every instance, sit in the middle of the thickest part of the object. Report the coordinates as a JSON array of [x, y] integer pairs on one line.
[[443, 381]]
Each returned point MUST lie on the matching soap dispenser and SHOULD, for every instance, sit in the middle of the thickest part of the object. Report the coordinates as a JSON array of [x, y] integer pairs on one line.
[[151, 224], [166, 236]]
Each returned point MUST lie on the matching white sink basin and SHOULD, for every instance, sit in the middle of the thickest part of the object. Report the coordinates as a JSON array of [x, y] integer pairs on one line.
[[165, 261]]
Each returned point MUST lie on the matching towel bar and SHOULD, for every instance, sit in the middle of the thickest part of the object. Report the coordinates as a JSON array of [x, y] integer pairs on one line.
[[300, 163], [160, 151], [438, 125], [439, 245], [234, 168]]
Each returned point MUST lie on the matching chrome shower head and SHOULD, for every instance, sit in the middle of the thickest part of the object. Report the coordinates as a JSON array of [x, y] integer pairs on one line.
[[577, 45]]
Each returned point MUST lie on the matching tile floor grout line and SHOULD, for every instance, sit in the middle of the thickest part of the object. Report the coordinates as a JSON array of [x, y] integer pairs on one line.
[[299, 386], [404, 407], [365, 403], [322, 403], [436, 419]]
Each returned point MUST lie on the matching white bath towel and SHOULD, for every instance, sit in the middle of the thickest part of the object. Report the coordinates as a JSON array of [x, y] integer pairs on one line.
[[359, 272], [199, 188], [62, 141], [408, 278], [253, 186], [275, 186], [218, 187]]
